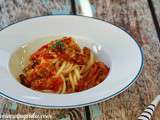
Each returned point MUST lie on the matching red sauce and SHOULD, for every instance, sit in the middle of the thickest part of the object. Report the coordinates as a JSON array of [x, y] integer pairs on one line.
[[40, 74]]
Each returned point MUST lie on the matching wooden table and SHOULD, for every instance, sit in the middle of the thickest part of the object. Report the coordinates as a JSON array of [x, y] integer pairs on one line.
[[139, 17]]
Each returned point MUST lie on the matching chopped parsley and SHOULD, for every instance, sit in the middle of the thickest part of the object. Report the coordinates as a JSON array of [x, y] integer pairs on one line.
[[58, 44]]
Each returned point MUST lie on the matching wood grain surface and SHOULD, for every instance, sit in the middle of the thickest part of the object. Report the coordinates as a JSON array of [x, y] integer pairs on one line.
[[156, 4], [16, 10], [132, 15], [135, 17]]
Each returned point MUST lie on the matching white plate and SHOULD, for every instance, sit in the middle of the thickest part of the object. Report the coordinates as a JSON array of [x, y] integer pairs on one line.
[[115, 47]]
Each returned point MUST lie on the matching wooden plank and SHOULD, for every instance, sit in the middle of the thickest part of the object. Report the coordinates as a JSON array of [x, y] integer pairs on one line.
[[156, 4], [135, 17], [155, 11], [16, 10]]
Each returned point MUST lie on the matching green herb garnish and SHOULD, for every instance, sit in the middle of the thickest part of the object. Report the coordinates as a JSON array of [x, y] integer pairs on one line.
[[58, 44], [53, 46]]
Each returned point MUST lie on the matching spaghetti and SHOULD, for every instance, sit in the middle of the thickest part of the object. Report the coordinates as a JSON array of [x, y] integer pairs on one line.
[[61, 66]]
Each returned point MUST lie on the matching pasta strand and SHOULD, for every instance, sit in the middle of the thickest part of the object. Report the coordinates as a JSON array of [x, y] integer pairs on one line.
[[71, 81], [77, 73], [68, 69], [90, 62], [74, 79], [61, 68], [64, 84]]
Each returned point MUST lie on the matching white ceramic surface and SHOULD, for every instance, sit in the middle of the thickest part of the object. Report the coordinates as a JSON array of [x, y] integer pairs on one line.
[[111, 44]]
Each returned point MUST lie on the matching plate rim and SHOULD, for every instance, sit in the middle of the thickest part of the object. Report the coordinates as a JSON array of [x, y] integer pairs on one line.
[[93, 102]]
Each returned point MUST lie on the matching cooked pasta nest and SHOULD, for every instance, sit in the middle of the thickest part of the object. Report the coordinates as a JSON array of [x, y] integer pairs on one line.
[[61, 66]]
